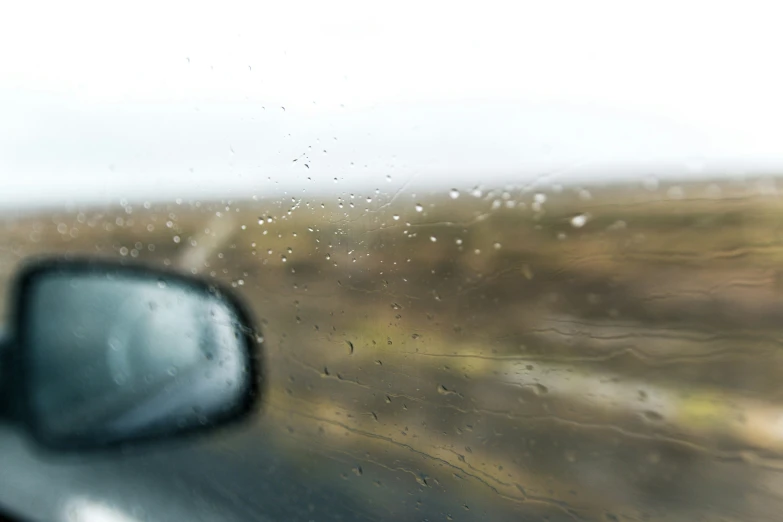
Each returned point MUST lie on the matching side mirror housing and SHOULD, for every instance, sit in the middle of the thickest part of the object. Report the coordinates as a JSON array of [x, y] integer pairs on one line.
[[104, 354]]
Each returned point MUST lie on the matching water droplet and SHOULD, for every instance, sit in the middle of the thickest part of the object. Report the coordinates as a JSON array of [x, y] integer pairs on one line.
[[617, 225], [419, 208], [422, 480], [579, 221], [350, 347], [433, 239], [388, 179], [358, 471], [650, 183], [713, 191], [476, 192], [675, 192], [445, 391], [176, 239], [540, 198], [454, 193], [283, 259], [497, 246], [458, 241], [396, 217]]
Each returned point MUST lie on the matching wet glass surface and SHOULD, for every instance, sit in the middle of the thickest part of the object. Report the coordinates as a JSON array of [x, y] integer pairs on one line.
[[578, 353], [114, 355]]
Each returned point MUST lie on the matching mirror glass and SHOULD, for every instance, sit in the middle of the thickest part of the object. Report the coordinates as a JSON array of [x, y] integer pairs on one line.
[[118, 355]]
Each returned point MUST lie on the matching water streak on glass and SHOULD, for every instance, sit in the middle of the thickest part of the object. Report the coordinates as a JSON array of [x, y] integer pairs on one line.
[[601, 352]]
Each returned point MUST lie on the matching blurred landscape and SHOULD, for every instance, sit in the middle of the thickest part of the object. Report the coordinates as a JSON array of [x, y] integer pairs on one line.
[[602, 352]]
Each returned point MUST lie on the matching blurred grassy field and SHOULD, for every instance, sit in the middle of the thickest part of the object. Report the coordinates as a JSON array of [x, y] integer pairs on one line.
[[600, 353]]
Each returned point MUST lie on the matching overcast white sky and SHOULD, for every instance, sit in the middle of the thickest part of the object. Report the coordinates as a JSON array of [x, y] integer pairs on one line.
[[152, 99]]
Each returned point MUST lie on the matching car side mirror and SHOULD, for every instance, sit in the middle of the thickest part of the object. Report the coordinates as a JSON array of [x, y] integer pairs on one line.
[[104, 354]]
